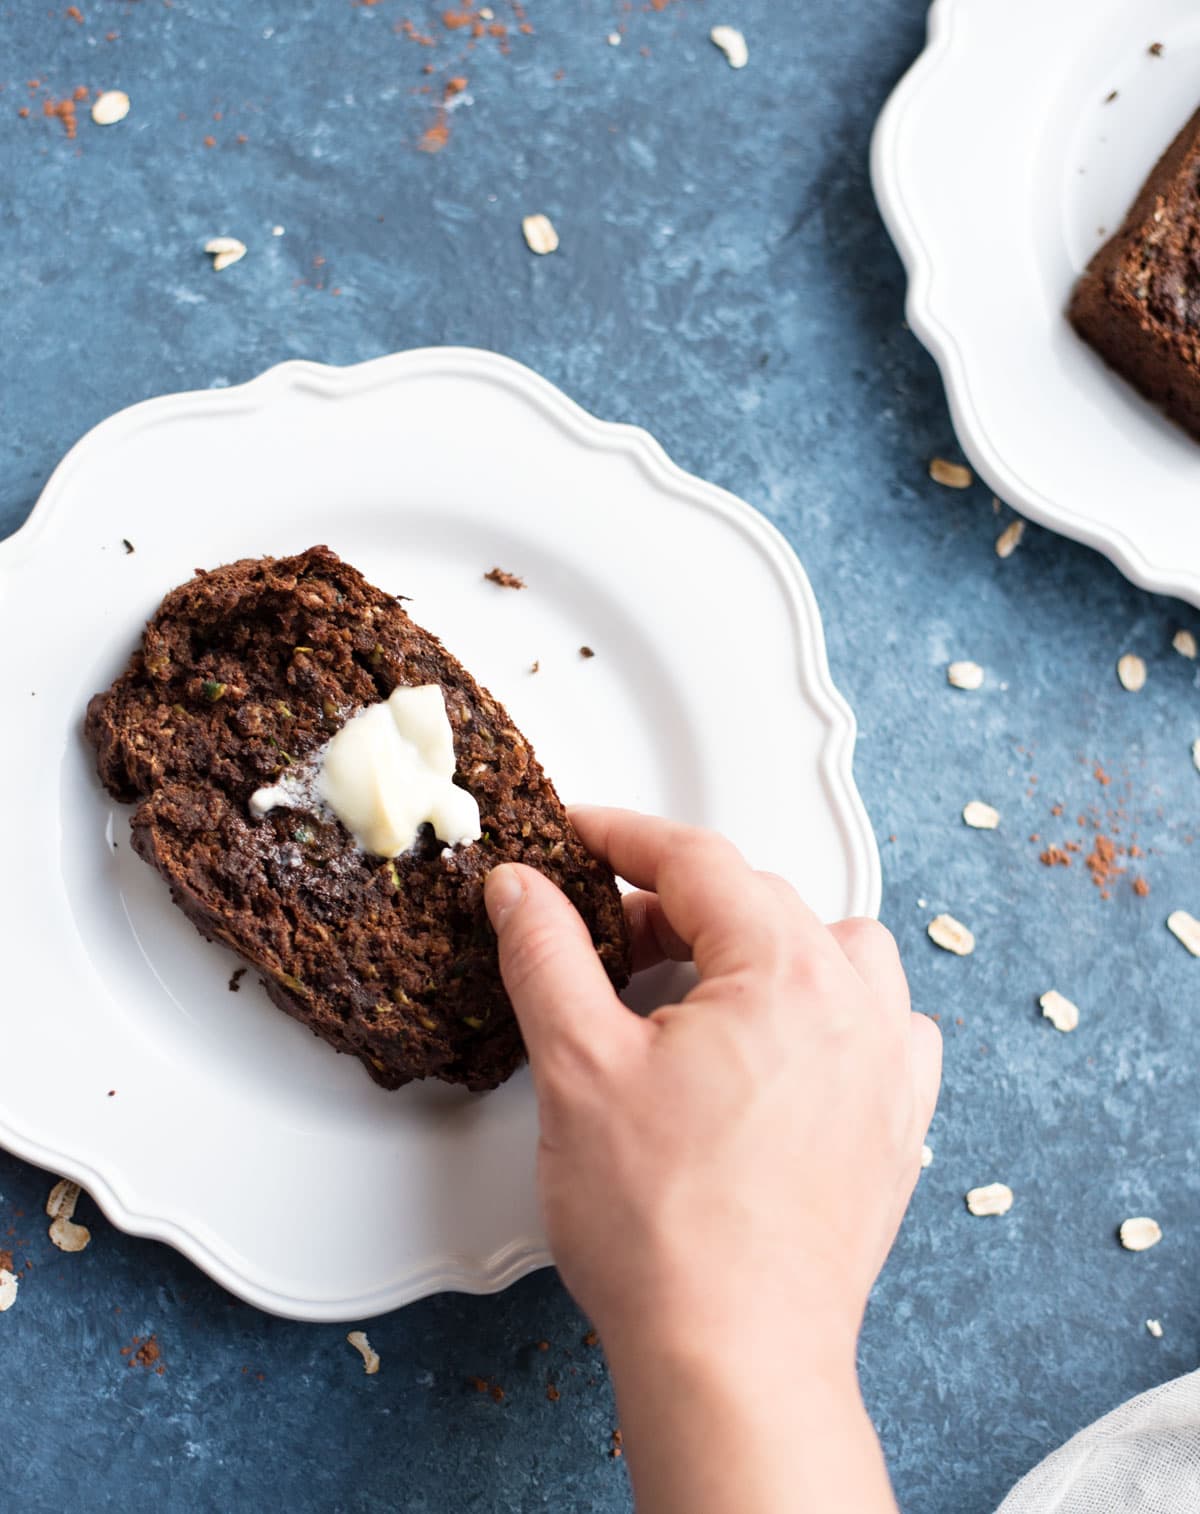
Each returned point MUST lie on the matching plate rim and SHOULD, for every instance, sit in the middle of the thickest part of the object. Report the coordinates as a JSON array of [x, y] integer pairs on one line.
[[517, 1258], [1003, 477]]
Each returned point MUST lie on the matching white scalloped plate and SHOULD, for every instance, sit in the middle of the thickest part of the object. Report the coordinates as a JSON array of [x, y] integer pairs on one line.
[[233, 1134], [996, 163]]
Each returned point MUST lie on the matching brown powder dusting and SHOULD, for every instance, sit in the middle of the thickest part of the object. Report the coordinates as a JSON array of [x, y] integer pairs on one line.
[[1054, 856], [435, 137], [617, 1450], [455, 86], [210, 141], [64, 111], [478, 1383], [552, 1393], [1101, 863], [1101, 776], [497, 1393], [591, 1339], [505, 580], [1140, 887], [24, 112], [586, 652], [6, 1261], [75, 14]]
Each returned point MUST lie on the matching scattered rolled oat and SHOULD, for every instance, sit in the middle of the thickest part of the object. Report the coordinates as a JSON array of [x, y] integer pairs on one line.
[[1140, 1234], [110, 107], [732, 44], [965, 675], [1186, 929], [225, 251], [1010, 538], [276, 231], [1196, 754], [980, 816], [358, 1339], [613, 39], [60, 1206], [1155, 1328], [540, 235], [945, 931], [951, 475], [8, 1289], [926, 1156], [1059, 1010], [1185, 644], [67, 1235], [62, 1200], [992, 1198], [1131, 670]]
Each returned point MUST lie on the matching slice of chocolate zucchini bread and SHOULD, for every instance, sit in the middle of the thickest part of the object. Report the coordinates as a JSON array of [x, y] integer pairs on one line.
[[1138, 302], [243, 673]]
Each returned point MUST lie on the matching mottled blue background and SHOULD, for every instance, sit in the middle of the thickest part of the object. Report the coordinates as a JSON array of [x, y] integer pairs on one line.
[[723, 280]]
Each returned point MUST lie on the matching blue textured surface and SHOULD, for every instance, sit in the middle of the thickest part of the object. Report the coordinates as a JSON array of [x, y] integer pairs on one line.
[[725, 281]]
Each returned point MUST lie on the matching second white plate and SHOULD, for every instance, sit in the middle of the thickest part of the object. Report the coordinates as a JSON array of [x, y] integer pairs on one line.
[[1000, 164], [230, 1131]]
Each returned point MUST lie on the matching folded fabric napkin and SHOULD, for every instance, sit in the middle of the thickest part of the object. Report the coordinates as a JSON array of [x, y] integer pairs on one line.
[[1143, 1458]]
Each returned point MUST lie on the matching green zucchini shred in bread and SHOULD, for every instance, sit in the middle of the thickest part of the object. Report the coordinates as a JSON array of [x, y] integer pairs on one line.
[[248, 669]]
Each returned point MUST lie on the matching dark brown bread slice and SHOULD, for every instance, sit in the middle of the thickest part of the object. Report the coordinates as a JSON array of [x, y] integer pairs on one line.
[[247, 669], [1138, 303]]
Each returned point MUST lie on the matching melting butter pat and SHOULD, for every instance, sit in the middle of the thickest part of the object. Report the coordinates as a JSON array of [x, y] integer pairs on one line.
[[387, 772]]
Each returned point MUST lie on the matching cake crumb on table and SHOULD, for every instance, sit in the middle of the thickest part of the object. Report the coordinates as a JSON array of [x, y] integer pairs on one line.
[[505, 580]]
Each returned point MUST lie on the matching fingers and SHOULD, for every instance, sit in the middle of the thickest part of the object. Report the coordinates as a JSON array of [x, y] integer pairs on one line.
[[653, 937], [708, 892], [871, 950], [560, 992], [926, 1066]]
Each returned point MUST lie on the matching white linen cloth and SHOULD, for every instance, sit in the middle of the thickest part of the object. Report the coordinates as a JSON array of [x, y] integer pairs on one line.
[[1143, 1458]]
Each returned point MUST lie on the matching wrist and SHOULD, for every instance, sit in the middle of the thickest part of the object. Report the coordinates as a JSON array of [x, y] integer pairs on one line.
[[708, 1341], [715, 1419]]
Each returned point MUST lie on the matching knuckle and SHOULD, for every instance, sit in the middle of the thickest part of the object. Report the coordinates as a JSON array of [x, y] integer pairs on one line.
[[866, 932]]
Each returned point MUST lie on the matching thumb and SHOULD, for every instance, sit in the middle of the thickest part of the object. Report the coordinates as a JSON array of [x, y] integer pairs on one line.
[[565, 1005]]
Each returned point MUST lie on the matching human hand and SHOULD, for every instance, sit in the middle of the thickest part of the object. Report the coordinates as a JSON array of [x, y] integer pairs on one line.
[[761, 1137], [728, 1175]]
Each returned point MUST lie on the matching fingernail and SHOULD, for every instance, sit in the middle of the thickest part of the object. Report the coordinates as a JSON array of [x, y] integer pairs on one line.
[[502, 892]]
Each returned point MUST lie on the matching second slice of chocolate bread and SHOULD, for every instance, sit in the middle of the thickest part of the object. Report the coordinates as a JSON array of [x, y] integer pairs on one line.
[[1138, 303]]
